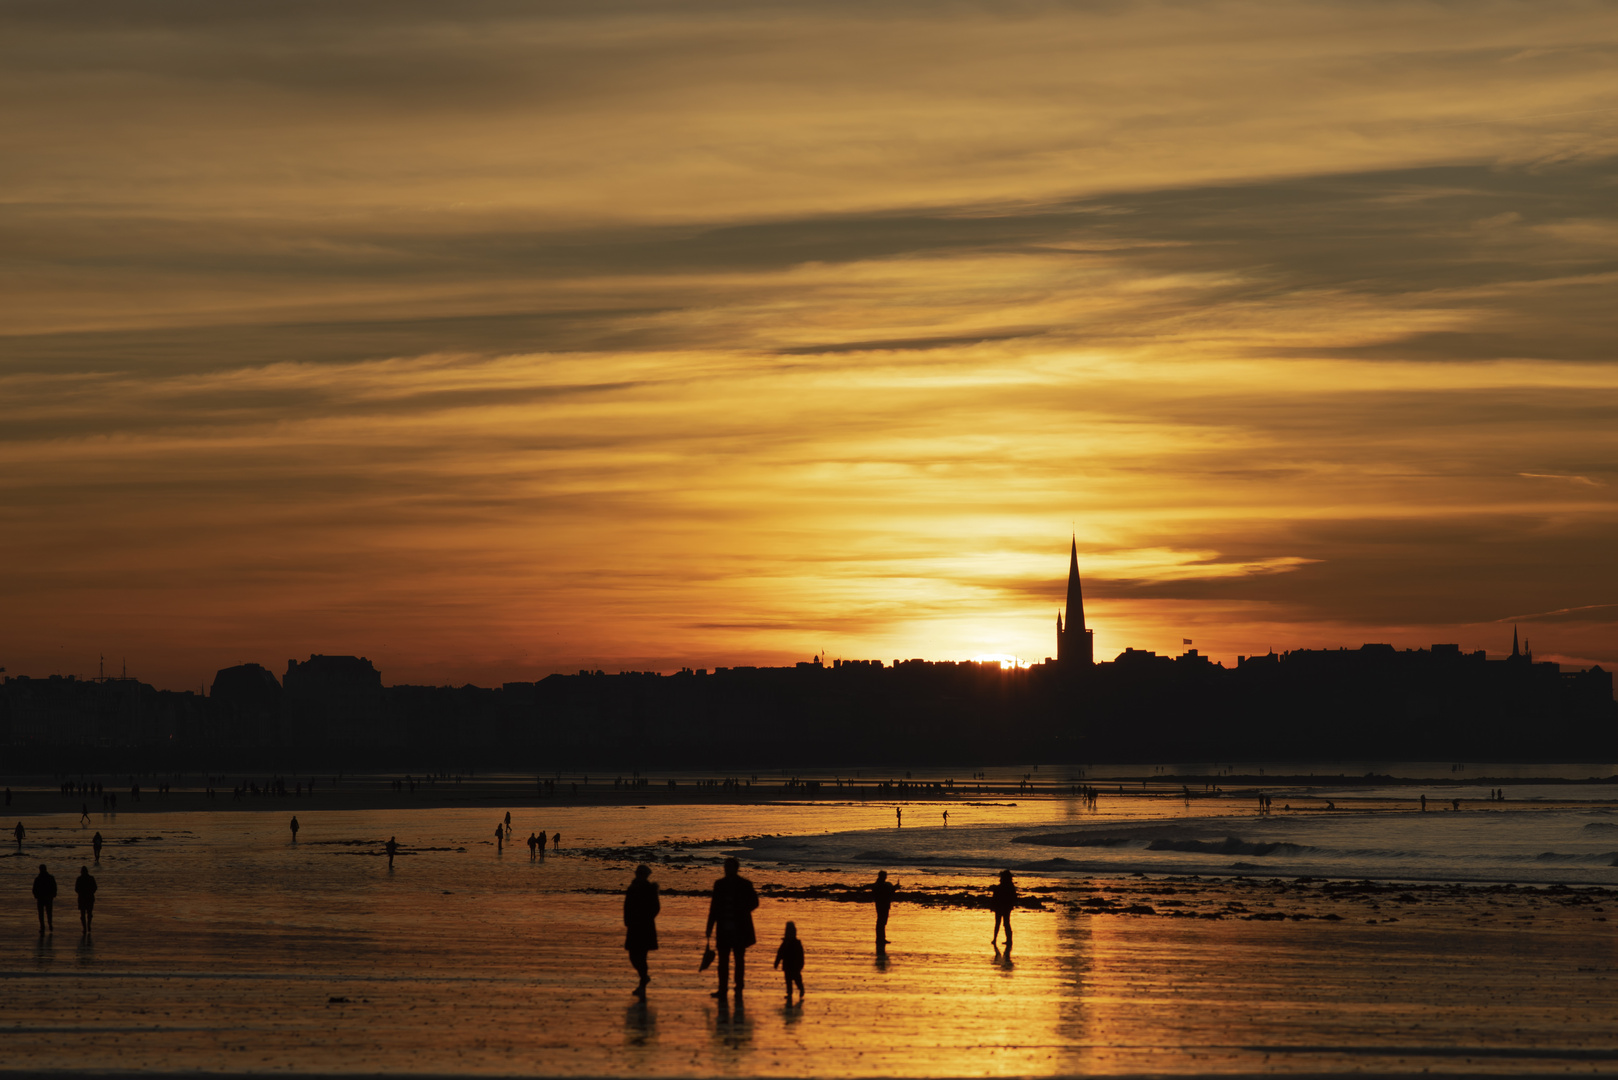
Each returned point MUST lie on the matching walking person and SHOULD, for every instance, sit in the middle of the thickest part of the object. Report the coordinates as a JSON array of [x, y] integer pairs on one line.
[[19, 832], [882, 891], [95, 845], [85, 886], [789, 958], [44, 898], [730, 912], [641, 906], [392, 848], [1001, 901], [499, 838]]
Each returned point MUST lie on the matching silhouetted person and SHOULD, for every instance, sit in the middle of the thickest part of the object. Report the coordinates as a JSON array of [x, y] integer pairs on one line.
[[44, 897], [556, 842], [392, 848], [294, 828], [85, 886], [508, 824], [898, 818], [1424, 804], [499, 837], [789, 958], [730, 912], [882, 891], [533, 845], [1001, 901], [95, 845], [19, 832], [641, 906], [946, 819], [84, 813]]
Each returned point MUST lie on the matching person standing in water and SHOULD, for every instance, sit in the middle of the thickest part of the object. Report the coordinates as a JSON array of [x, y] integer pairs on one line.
[[85, 886], [641, 906], [789, 958], [1001, 901], [95, 845], [392, 848]]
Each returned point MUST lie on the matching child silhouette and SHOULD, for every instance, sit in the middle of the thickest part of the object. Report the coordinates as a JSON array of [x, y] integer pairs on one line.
[[789, 958]]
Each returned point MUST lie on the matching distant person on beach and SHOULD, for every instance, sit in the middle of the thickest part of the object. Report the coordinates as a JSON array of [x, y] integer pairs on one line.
[[556, 842], [533, 844], [85, 886], [730, 911], [508, 824], [882, 891], [1424, 804], [392, 848], [1001, 901], [789, 958], [899, 818], [294, 828], [44, 897], [84, 813], [95, 845], [641, 906], [19, 832], [946, 819], [499, 837]]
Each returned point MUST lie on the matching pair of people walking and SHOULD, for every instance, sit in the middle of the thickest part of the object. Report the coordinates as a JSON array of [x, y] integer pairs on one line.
[[45, 899]]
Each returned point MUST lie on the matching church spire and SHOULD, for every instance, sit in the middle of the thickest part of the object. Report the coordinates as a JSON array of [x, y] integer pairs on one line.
[[1082, 648], [1514, 651], [1075, 594]]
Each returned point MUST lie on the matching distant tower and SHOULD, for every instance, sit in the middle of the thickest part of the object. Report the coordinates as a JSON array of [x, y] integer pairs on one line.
[[1082, 650]]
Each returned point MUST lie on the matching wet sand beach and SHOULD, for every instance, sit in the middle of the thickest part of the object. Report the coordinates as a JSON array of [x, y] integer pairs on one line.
[[223, 946]]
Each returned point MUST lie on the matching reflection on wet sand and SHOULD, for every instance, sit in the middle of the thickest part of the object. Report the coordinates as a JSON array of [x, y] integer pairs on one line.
[[640, 1025], [273, 958], [732, 1028]]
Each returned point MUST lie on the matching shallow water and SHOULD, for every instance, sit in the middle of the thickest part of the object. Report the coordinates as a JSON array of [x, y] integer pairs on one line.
[[220, 944]]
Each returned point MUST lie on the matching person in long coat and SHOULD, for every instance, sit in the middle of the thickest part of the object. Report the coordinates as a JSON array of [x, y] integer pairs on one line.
[[641, 906], [731, 913]]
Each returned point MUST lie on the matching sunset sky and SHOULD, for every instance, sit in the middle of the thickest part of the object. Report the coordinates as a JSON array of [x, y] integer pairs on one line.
[[494, 339]]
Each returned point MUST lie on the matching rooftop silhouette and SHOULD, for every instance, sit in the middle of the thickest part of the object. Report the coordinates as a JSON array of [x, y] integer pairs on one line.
[[1376, 701]]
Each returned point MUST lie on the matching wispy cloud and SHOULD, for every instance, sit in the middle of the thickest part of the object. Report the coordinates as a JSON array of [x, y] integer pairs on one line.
[[517, 339]]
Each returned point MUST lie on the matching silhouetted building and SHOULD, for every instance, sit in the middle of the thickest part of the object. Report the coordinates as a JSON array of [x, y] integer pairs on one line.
[[1373, 702], [245, 701], [333, 699], [1075, 643]]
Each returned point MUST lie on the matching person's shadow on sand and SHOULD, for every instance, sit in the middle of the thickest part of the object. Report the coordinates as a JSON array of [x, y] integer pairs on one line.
[[731, 1025], [640, 1025]]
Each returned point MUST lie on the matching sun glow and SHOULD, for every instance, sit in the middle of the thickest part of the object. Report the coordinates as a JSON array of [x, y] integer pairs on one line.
[[1005, 660]]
